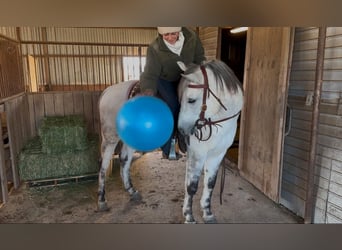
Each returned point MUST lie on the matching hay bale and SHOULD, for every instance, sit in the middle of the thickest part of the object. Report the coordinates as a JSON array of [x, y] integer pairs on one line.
[[62, 134], [34, 164]]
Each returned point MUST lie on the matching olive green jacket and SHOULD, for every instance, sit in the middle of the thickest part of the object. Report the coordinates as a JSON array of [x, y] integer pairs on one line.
[[161, 63]]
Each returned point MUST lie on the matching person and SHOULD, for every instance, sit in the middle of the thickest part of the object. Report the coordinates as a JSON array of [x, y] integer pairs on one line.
[[162, 74]]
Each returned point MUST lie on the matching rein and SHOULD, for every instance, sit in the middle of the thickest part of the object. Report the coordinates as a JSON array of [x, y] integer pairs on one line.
[[201, 122]]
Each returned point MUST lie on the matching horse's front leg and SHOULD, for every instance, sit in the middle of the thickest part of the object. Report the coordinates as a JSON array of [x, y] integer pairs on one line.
[[210, 175], [107, 153], [193, 172], [126, 157]]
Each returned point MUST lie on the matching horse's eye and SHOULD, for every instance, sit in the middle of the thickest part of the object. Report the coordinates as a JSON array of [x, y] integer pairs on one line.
[[190, 100]]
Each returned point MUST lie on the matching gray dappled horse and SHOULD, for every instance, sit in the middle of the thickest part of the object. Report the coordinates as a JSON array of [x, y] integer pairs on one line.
[[211, 99]]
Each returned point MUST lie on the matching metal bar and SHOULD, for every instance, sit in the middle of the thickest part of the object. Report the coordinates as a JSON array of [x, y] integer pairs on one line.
[[309, 203], [83, 43]]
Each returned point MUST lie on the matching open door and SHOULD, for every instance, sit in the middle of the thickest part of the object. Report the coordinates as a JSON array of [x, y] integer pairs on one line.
[[268, 53]]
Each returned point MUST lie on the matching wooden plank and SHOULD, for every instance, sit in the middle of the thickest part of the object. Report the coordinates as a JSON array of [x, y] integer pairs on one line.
[[49, 104], [295, 180], [305, 45], [322, 195], [304, 86], [321, 183], [3, 175], [25, 125], [301, 114], [289, 187], [59, 104], [301, 124], [333, 31], [304, 75], [336, 178], [333, 42], [298, 153], [335, 211], [299, 134], [332, 86], [292, 202], [334, 63], [62, 181], [298, 143], [12, 129], [329, 152], [333, 53], [78, 103], [294, 168], [88, 110], [331, 142], [330, 75], [304, 65], [31, 114], [306, 34], [68, 103], [332, 219], [305, 55], [39, 108], [323, 172], [331, 131], [96, 113], [336, 166]]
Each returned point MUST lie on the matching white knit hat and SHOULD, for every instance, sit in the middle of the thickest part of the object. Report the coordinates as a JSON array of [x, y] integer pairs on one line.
[[164, 30]]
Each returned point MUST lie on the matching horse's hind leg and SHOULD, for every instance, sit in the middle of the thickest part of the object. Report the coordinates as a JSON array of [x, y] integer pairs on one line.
[[192, 176], [107, 153], [126, 157], [210, 175]]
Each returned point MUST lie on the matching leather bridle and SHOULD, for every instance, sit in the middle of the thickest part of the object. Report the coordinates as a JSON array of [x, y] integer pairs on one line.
[[202, 122]]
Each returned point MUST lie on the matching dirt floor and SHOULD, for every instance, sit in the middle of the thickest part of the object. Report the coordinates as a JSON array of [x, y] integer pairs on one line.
[[161, 184]]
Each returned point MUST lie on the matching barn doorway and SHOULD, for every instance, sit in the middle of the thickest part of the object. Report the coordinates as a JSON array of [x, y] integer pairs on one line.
[[233, 50]]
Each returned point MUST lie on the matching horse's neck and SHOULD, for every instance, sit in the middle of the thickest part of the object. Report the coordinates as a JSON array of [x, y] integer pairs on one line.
[[232, 103]]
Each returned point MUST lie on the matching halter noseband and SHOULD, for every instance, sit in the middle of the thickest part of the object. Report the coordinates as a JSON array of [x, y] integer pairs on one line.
[[201, 122]]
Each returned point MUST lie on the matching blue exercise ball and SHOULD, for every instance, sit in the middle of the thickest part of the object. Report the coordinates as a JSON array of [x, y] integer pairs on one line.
[[144, 123]]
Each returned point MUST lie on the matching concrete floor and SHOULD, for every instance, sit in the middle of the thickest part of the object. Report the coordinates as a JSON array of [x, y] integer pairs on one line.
[[161, 184]]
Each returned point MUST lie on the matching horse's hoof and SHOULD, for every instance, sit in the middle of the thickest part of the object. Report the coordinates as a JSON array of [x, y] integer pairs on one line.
[[189, 219], [136, 196], [190, 222], [102, 206], [210, 219]]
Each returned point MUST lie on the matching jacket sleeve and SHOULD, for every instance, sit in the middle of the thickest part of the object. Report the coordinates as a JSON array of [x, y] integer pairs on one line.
[[150, 76]]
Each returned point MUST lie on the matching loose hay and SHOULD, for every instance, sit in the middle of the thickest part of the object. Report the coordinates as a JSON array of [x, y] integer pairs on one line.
[[62, 149]]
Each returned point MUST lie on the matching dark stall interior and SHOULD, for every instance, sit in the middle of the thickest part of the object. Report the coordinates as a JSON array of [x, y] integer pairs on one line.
[[233, 49]]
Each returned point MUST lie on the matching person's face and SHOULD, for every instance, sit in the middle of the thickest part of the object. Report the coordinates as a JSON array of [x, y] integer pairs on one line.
[[171, 37]]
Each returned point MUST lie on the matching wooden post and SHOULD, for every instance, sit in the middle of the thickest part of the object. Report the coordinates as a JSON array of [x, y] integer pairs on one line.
[[3, 175], [314, 127]]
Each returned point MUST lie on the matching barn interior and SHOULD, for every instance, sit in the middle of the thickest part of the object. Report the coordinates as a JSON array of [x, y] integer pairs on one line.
[[56, 71]]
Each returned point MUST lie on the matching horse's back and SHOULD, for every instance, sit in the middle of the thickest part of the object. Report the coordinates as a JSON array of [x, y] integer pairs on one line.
[[113, 97], [111, 100]]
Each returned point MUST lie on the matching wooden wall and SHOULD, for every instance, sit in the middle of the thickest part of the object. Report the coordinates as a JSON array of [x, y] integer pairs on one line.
[[210, 37], [24, 114], [297, 142], [14, 116], [64, 103], [328, 168], [11, 73]]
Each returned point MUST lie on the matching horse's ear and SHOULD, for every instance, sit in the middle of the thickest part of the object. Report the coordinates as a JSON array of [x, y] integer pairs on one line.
[[181, 65]]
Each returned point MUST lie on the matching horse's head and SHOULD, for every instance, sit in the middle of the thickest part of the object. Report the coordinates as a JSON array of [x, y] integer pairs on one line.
[[205, 93]]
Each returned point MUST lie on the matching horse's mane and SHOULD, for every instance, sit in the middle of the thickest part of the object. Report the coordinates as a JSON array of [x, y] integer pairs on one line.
[[223, 74]]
